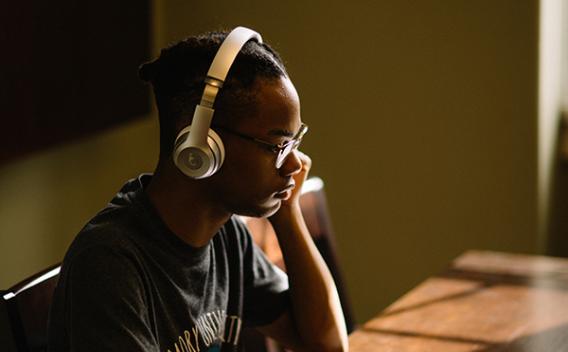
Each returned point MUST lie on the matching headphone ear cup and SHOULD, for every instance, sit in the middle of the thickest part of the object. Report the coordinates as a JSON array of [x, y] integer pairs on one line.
[[217, 149], [198, 161]]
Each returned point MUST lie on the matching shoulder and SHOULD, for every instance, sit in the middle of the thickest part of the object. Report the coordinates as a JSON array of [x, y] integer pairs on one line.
[[106, 239], [116, 223]]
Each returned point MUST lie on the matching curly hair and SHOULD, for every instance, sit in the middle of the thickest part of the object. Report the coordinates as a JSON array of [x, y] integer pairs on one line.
[[177, 77]]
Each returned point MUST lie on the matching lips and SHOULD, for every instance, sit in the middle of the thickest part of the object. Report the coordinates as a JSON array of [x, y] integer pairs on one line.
[[286, 191], [288, 187]]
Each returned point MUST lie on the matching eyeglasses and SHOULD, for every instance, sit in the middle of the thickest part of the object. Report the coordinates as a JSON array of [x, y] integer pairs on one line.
[[281, 150]]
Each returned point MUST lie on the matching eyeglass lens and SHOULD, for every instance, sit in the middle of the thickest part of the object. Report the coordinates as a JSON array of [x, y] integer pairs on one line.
[[283, 154]]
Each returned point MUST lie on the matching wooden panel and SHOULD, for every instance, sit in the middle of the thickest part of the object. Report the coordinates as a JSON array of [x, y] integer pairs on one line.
[[69, 68], [486, 301]]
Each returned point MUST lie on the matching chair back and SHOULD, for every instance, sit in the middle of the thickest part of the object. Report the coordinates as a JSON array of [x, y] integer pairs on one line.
[[24, 312], [318, 220]]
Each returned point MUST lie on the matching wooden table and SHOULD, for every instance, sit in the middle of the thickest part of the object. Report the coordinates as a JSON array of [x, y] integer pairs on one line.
[[485, 301]]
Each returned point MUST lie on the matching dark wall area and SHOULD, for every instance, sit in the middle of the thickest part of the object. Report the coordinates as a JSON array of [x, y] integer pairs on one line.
[[69, 68]]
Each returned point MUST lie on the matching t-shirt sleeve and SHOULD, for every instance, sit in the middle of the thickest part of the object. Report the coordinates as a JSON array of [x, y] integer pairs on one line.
[[105, 307], [266, 294]]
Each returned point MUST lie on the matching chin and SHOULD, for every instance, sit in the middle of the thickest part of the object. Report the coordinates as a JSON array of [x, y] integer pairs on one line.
[[261, 211]]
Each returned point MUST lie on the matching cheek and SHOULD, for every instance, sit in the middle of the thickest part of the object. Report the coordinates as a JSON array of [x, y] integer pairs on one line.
[[256, 182], [251, 164]]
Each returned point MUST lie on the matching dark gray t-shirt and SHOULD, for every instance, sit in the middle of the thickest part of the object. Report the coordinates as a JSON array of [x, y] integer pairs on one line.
[[127, 283]]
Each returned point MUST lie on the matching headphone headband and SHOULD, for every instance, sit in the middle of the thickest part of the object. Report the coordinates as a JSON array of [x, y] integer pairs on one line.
[[228, 51], [223, 60]]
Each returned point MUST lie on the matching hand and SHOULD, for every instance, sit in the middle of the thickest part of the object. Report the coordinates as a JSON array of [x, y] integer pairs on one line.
[[299, 178]]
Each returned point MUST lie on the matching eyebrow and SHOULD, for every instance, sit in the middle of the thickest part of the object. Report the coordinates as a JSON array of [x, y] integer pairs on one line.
[[281, 133]]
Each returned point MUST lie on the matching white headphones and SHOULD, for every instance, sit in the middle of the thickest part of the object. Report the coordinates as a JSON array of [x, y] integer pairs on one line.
[[201, 153]]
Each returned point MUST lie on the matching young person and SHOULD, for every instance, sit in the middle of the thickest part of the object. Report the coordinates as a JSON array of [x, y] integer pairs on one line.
[[167, 266]]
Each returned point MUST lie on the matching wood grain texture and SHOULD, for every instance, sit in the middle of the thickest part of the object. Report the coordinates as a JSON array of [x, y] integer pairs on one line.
[[485, 301]]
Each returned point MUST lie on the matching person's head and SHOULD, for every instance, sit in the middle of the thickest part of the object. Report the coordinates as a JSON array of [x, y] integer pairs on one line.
[[257, 99], [178, 74]]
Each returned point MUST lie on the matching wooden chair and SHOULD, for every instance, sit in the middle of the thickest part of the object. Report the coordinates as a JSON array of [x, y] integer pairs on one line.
[[314, 209], [24, 309]]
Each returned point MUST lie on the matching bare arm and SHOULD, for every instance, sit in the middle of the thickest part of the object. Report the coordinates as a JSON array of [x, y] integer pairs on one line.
[[316, 321]]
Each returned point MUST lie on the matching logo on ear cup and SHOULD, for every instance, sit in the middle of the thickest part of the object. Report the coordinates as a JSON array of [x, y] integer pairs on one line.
[[198, 161], [194, 160]]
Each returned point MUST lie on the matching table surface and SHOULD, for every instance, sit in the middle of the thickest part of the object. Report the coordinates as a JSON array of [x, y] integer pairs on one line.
[[485, 301]]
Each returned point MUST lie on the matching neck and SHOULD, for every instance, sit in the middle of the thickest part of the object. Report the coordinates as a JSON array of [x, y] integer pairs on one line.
[[185, 207]]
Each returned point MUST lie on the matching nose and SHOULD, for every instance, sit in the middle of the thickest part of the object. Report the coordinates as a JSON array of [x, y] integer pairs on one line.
[[291, 165]]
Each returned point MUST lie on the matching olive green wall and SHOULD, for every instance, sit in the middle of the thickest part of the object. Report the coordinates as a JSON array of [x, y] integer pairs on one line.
[[48, 197], [423, 126]]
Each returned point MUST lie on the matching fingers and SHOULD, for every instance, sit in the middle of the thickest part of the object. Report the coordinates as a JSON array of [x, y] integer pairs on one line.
[[305, 159]]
